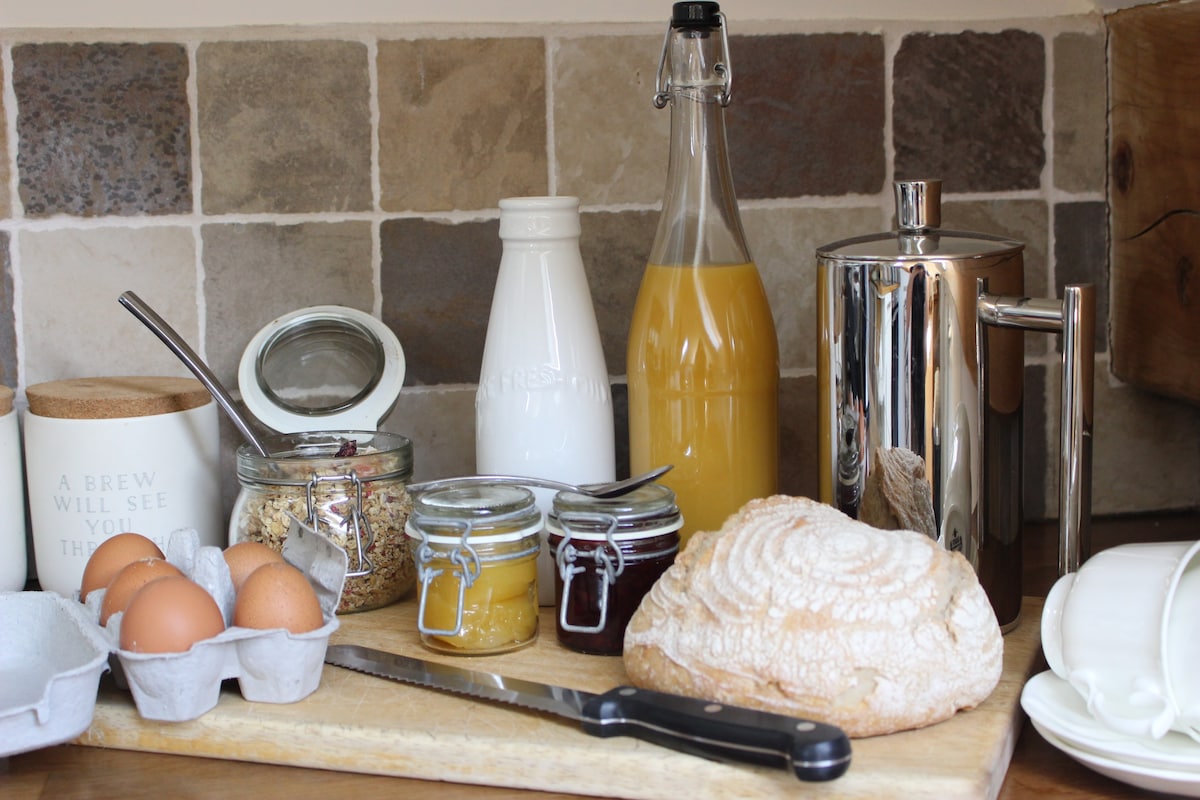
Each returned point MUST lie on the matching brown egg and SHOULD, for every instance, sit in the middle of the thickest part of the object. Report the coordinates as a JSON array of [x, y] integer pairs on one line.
[[129, 580], [245, 557], [278, 596], [111, 557], [169, 615]]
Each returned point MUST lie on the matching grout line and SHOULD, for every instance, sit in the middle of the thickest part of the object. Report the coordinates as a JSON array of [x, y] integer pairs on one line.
[[17, 211], [891, 47], [551, 45], [193, 97], [376, 175], [1049, 123]]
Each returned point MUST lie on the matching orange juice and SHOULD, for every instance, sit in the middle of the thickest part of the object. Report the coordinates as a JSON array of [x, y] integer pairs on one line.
[[703, 371]]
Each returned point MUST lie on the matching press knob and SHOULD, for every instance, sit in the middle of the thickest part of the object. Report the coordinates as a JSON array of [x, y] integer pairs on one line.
[[918, 204]]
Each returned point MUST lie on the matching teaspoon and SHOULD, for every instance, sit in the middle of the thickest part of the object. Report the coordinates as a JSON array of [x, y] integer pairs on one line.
[[608, 489]]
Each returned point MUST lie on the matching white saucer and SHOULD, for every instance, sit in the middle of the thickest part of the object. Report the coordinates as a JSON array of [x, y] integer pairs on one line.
[[1171, 763], [1184, 784]]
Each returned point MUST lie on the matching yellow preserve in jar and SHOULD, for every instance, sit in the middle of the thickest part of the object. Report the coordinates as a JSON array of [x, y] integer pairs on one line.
[[476, 548]]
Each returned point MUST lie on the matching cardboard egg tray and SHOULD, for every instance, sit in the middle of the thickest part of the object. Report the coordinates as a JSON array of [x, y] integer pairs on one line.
[[271, 666], [51, 659]]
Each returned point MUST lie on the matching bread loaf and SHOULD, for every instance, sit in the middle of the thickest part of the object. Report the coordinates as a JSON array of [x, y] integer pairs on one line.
[[795, 608]]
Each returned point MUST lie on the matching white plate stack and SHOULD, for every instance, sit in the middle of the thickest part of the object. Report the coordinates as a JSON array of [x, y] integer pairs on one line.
[[1060, 715]]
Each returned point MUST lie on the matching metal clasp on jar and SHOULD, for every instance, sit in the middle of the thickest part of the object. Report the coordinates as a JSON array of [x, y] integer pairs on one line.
[[354, 522], [605, 564], [467, 565]]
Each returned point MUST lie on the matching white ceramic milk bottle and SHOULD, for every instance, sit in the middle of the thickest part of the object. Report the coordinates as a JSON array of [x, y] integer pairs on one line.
[[544, 406]]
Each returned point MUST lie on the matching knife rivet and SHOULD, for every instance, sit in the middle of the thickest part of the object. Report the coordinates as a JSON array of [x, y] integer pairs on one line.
[[628, 691], [712, 708], [806, 726]]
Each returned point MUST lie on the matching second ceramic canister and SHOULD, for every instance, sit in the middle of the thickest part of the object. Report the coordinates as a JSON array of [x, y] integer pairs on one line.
[[608, 552], [476, 549]]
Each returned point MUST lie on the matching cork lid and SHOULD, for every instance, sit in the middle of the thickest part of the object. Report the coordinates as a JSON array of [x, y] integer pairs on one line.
[[115, 397], [6, 400]]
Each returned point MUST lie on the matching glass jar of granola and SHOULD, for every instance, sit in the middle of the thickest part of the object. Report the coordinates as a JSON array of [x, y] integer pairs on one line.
[[351, 486]]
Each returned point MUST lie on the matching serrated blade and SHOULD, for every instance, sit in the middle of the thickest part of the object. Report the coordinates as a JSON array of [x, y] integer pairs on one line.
[[814, 751], [475, 683]]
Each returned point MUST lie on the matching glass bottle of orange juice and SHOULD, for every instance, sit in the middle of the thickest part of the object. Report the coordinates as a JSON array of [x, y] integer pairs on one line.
[[703, 358]]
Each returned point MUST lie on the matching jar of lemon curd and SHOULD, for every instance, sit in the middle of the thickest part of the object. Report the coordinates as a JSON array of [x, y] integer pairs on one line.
[[476, 548]]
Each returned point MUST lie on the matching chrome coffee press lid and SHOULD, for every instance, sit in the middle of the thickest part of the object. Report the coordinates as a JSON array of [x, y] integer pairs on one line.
[[322, 368], [919, 215]]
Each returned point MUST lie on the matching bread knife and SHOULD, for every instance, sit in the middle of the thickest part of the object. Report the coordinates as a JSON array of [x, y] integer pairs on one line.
[[814, 751]]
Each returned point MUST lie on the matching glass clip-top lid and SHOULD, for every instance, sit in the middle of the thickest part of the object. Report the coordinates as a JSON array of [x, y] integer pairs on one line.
[[322, 368]]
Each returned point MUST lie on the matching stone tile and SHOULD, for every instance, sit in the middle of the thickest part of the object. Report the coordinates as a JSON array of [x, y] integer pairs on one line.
[[284, 126], [1081, 256], [1080, 112], [103, 129], [71, 323], [798, 448], [441, 422], [968, 109], [1025, 221], [254, 273], [783, 242], [1039, 484], [437, 281], [620, 396], [462, 122], [1147, 450], [614, 246], [8, 325], [807, 114], [5, 197], [610, 142]]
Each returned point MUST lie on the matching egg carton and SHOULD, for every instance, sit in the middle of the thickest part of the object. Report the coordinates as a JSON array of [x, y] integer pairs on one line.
[[51, 659], [271, 666]]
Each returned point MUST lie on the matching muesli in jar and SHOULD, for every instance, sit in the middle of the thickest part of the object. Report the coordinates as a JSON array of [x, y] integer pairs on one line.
[[351, 486]]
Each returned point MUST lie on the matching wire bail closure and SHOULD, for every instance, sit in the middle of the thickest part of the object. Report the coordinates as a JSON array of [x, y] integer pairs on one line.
[[465, 570], [355, 521], [662, 81], [567, 556]]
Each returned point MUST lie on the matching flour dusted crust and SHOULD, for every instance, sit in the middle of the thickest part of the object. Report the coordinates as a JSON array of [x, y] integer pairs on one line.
[[795, 608]]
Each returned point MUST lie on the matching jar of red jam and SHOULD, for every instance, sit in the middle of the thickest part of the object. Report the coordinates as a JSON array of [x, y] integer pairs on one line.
[[608, 552], [475, 549]]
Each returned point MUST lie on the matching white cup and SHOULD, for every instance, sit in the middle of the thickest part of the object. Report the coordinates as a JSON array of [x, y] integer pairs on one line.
[[1124, 631]]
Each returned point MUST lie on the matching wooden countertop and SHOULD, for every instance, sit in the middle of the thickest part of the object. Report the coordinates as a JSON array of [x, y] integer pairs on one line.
[[68, 771]]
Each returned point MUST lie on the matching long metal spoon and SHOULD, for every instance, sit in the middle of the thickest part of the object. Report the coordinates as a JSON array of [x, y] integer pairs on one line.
[[609, 489], [179, 347]]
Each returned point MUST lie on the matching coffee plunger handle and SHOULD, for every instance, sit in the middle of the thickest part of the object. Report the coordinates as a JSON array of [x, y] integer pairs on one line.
[[1075, 317], [1076, 418]]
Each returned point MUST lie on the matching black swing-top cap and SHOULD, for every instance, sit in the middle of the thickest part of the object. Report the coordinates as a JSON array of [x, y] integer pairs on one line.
[[696, 15]]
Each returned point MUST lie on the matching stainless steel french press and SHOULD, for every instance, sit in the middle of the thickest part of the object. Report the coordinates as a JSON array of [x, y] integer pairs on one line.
[[920, 378]]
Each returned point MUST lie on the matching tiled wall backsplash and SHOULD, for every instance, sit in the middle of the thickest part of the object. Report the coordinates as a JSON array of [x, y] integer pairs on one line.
[[232, 175]]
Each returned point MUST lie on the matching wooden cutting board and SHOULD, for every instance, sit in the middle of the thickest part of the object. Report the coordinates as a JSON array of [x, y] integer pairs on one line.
[[360, 723]]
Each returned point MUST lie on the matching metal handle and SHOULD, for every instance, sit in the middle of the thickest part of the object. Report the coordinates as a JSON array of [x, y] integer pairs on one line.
[[1075, 317], [171, 338]]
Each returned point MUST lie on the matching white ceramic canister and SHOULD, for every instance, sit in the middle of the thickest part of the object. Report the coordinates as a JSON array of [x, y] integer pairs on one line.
[[544, 405], [118, 454], [14, 562]]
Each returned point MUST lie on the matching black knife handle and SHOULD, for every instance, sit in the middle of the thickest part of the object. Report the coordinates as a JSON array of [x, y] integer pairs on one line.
[[813, 750]]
